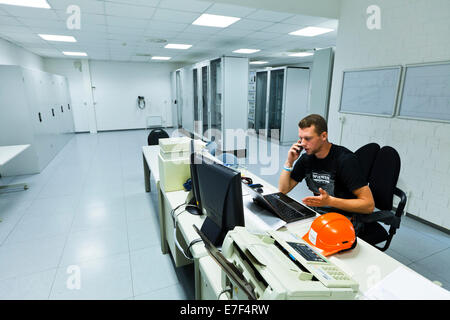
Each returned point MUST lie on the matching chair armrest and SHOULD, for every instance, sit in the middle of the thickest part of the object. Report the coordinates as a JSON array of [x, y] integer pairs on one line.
[[401, 206]]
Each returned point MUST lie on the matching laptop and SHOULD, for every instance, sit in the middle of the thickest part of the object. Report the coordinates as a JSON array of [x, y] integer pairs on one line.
[[286, 208]]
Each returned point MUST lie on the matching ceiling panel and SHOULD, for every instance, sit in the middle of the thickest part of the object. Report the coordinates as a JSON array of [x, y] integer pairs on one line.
[[150, 3], [185, 5], [303, 20], [123, 10], [126, 22], [9, 21], [175, 16], [282, 28], [45, 23], [230, 10], [26, 12], [169, 26], [270, 16], [86, 6]]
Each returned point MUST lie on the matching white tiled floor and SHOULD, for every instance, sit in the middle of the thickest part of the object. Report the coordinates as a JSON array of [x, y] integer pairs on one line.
[[88, 211]]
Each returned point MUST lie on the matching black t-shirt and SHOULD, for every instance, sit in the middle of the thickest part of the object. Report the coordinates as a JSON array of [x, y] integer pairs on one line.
[[339, 173]]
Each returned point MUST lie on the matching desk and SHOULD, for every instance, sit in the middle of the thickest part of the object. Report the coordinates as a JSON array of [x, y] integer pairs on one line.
[[8, 153], [365, 264], [150, 160]]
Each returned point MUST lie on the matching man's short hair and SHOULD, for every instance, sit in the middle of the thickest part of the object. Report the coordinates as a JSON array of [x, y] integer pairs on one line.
[[317, 120]]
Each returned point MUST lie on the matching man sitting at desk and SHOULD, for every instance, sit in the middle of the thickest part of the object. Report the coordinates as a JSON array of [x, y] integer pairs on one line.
[[331, 172]]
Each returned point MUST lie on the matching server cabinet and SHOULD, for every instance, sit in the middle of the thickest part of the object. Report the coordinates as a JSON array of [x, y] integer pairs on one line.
[[30, 113], [281, 101]]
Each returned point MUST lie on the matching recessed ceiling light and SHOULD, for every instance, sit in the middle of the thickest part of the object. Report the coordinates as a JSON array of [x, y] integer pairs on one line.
[[178, 46], [310, 31], [27, 3], [78, 54], [161, 58], [258, 62], [301, 54], [247, 51], [53, 37], [212, 20]]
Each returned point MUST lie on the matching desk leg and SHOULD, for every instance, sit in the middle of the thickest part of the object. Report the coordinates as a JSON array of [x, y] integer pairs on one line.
[[146, 175], [162, 222], [197, 280]]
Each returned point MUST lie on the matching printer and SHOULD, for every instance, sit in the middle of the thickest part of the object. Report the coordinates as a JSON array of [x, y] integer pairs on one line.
[[273, 268]]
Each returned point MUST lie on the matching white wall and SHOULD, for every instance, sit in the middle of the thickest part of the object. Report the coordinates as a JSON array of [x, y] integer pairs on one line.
[[117, 86], [411, 32], [11, 54]]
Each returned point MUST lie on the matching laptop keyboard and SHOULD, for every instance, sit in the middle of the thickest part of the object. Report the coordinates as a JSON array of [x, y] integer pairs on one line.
[[287, 213]]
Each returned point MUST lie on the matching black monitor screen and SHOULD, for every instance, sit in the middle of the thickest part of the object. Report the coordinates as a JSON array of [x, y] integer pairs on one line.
[[220, 192]]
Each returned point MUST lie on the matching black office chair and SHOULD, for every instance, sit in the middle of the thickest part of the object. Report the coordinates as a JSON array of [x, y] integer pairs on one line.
[[155, 135], [366, 156], [382, 182]]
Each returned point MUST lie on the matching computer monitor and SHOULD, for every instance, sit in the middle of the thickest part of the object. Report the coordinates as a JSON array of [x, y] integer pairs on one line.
[[220, 194], [195, 160]]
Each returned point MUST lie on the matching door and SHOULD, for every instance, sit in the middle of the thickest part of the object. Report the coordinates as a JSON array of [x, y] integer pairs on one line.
[[261, 101], [216, 100], [275, 102], [205, 111], [179, 95], [197, 119]]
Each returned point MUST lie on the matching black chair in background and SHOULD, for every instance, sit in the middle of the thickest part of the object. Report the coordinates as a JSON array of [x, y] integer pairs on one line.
[[366, 156], [382, 180], [155, 135]]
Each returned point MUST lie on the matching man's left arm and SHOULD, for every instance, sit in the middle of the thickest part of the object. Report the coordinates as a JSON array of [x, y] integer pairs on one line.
[[362, 204], [351, 176]]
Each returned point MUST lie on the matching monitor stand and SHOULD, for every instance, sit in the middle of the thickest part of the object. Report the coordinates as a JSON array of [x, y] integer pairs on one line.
[[213, 232]]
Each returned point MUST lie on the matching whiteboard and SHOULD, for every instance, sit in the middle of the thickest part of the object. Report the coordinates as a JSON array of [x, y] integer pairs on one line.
[[426, 92], [370, 91]]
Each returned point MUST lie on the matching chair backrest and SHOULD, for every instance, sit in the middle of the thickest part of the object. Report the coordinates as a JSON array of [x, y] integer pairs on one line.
[[384, 176], [155, 135], [366, 156]]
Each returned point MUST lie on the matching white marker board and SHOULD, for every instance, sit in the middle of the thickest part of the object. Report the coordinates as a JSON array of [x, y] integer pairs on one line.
[[370, 91], [426, 92]]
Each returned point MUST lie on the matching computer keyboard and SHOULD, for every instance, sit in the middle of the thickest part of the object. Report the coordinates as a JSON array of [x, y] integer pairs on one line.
[[286, 212]]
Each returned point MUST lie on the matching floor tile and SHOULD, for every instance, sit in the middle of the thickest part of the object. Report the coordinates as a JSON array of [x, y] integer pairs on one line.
[[175, 292], [30, 257], [35, 286], [108, 278], [151, 270], [94, 243], [143, 234]]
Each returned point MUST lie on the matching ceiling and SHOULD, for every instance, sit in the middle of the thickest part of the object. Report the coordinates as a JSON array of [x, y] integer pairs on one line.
[[131, 30]]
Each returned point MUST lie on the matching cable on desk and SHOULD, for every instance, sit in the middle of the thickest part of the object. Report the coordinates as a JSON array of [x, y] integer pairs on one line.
[[188, 250], [227, 289]]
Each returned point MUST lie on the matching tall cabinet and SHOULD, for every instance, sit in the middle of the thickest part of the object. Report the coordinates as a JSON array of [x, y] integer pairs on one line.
[[281, 101], [215, 97], [35, 109]]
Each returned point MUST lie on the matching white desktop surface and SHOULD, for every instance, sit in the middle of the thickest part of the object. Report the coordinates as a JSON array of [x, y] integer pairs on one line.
[[151, 155], [9, 152]]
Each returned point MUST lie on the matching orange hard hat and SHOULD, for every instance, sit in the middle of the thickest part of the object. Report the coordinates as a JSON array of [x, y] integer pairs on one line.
[[331, 233]]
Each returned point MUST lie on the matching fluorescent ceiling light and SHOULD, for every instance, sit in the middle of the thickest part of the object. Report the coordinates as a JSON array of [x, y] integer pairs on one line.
[[301, 54], [247, 51], [212, 20], [178, 46], [53, 37], [27, 3], [258, 62], [161, 58], [78, 54], [310, 31]]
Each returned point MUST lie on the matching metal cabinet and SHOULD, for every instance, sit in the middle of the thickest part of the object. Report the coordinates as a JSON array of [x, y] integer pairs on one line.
[[281, 101], [35, 109], [215, 95]]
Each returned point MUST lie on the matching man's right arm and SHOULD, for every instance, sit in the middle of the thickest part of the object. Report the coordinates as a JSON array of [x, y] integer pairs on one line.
[[286, 183]]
